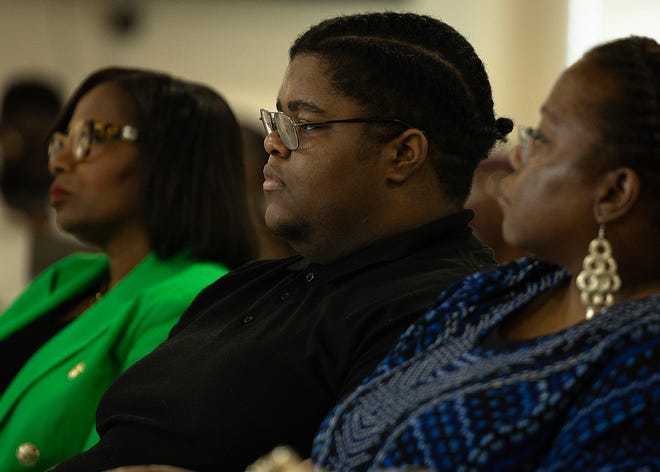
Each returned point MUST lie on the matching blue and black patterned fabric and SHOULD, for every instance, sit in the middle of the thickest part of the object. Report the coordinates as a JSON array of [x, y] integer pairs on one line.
[[453, 396]]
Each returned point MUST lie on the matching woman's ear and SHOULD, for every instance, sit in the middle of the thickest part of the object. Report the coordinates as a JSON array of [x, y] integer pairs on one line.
[[616, 194], [405, 154]]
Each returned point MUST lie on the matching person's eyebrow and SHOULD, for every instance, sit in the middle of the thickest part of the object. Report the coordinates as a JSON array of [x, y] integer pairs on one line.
[[301, 105]]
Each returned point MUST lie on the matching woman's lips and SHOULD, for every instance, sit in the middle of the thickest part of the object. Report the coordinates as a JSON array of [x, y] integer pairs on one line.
[[57, 194]]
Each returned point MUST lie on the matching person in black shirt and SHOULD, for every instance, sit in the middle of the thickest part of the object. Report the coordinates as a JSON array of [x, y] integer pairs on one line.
[[382, 119]]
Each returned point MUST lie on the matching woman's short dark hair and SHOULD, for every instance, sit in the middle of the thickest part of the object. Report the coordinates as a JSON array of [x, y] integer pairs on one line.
[[626, 112], [419, 70], [191, 166]]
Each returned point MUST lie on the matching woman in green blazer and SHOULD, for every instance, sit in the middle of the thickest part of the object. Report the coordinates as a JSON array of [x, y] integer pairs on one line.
[[147, 168]]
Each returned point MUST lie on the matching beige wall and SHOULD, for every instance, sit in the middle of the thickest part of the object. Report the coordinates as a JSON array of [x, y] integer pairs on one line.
[[240, 46]]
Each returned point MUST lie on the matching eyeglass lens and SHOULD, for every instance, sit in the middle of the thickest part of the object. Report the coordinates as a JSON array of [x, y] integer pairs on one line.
[[79, 140], [266, 121], [525, 140], [287, 130], [283, 124], [56, 144]]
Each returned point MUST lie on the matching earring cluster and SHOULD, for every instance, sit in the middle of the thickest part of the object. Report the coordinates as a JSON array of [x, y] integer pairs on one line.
[[598, 281]]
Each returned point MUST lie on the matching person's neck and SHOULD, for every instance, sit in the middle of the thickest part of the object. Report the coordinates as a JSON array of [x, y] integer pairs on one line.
[[124, 253], [328, 245], [561, 308], [551, 312]]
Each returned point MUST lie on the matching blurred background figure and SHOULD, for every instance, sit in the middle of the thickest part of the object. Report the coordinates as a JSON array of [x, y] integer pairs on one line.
[[487, 222], [29, 109], [255, 156], [146, 167]]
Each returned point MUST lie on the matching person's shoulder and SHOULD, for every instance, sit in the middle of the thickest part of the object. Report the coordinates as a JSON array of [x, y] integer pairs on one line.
[[508, 276], [260, 267], [198, 275], [632, 332], [267, 264], [189, 270], [70, 271], [82, 258], [183, 279], [76, 262], [633, 320], [649, 305], [621, 396], [487, 287]]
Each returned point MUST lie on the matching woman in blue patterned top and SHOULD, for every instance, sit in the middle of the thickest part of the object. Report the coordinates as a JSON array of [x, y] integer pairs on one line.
[[540, 366]]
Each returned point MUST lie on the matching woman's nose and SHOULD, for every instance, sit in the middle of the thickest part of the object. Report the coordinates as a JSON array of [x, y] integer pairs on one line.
[[63, 161], [515, 157]]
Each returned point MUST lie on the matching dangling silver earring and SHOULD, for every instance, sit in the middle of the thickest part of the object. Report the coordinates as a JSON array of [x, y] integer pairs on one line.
[[598, 281]]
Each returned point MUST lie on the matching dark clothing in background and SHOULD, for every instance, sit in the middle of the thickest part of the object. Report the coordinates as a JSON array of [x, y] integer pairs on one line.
[[261, 355]]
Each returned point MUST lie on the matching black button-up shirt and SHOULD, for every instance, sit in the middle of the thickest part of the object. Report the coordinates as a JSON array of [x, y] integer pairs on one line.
[[262, 354]]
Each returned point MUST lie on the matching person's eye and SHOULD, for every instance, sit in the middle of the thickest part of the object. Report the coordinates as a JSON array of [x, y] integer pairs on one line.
[[310, 126], [96, 137], [538, 137]]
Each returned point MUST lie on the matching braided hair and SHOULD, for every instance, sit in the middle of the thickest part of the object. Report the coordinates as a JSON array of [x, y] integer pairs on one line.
[[627, 112], [421, 71]]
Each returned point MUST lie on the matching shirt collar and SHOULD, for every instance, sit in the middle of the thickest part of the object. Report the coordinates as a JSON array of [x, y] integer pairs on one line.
[[392, 248]]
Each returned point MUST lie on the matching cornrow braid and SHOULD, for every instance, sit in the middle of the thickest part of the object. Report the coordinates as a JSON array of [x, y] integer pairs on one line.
[[419, 70], [628, 116]]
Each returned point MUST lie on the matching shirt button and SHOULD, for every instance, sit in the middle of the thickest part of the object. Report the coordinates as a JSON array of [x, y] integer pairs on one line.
[[285, 296], [27, 454], [248, 319], [310, 277], [78, 369]]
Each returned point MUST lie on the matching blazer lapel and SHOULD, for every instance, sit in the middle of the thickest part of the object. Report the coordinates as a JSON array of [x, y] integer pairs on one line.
[[54, 287], [90, 325]]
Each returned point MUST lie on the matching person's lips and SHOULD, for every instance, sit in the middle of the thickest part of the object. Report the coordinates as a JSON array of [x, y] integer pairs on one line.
[[272, 181], [57, 194]]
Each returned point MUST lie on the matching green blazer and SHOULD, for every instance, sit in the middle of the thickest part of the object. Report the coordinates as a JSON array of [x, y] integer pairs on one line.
[[47, 412]]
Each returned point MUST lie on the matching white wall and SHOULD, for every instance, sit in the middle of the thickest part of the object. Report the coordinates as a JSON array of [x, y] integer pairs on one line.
[[594, 21]]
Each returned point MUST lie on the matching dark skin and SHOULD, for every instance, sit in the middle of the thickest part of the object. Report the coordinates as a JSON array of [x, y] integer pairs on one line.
[[487, 221], [96, 199], [584, 198], [254, 157], [340, 191], [554, 204]]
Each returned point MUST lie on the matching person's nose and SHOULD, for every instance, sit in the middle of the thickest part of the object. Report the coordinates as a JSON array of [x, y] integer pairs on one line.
[[274, 146], [515, 157], [61, 162]]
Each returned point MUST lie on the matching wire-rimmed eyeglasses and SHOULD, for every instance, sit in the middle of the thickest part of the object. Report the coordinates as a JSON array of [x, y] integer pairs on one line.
[[288, 129], [81, 137]]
